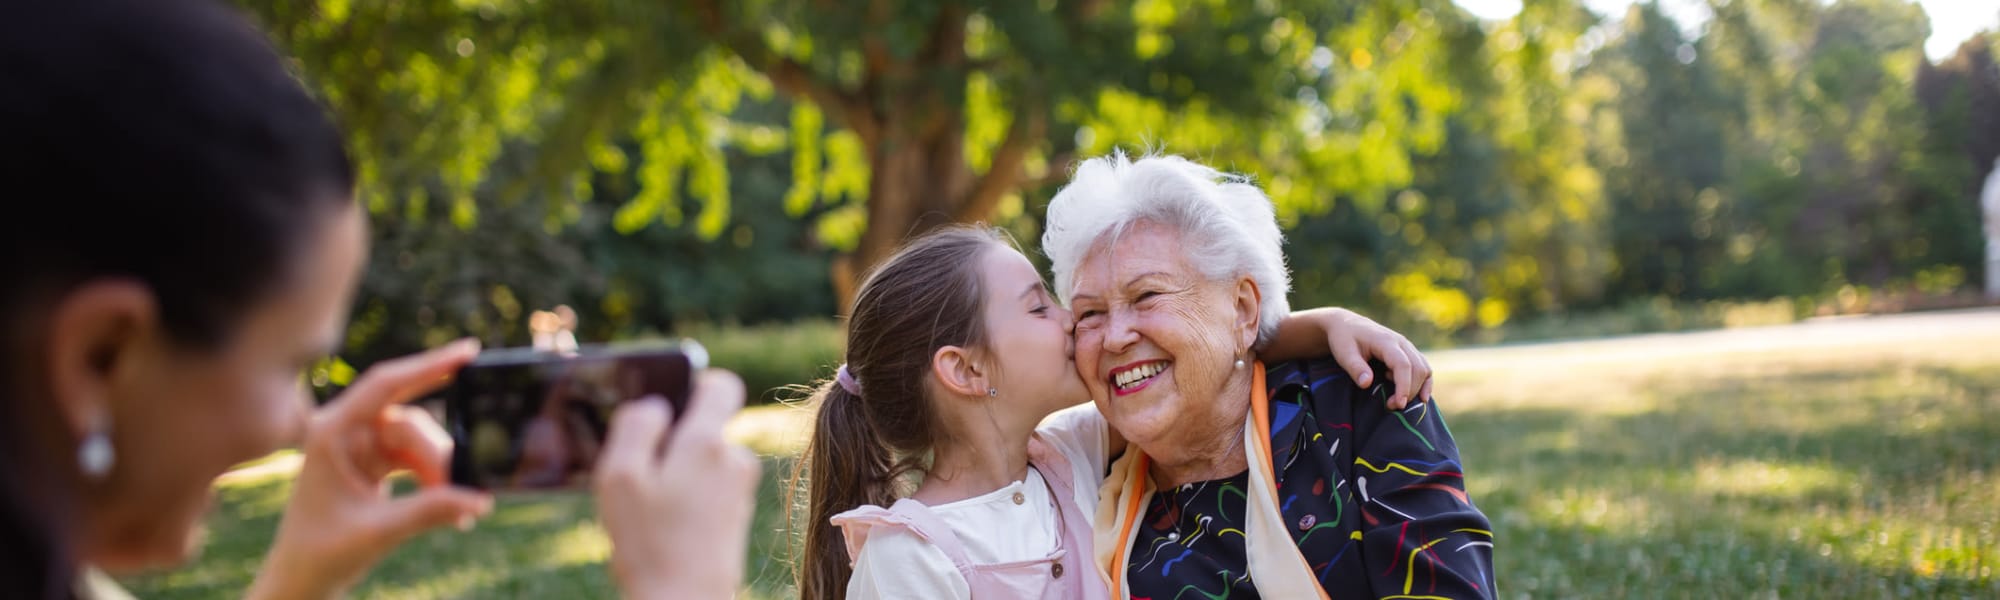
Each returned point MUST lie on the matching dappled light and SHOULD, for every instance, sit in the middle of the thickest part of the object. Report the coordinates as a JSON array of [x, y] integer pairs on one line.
[[1708, 287], [1852, 461]]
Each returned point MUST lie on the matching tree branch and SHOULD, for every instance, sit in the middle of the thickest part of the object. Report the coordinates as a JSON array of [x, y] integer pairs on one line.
[[1030, 126], [795, 80], [789, 76]]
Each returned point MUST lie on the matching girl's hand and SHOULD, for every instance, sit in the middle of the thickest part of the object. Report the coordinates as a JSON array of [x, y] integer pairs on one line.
[[1353, 340]]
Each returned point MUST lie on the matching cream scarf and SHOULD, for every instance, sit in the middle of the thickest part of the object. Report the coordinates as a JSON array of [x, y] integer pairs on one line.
[[1275, 565]]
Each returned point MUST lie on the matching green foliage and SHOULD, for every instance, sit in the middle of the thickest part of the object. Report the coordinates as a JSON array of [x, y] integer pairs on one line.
[[775, 360], [658, 164]]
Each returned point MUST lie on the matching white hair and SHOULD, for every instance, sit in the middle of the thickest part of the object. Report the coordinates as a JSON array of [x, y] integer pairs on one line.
[[1228, 227]]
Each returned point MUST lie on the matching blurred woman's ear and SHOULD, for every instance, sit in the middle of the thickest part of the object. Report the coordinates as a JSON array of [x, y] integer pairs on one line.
[[96, 336], [1248, 303]]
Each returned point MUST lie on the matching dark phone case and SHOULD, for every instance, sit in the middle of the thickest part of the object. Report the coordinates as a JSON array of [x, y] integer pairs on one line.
[[478, 394]]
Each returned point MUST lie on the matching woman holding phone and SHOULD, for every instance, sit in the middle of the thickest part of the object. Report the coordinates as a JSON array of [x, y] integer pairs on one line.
[[185, 240]]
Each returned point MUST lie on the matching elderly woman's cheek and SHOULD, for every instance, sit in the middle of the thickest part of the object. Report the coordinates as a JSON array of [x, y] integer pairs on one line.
[[1088, 352]]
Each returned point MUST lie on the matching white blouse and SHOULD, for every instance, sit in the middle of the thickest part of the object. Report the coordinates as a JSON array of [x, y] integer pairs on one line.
[[896, 563]]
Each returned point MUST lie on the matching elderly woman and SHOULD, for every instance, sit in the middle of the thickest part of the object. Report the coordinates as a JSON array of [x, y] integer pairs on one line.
[[1281, 481]]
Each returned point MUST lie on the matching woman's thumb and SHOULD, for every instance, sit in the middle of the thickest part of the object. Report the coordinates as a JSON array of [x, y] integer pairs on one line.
[[431, 508]]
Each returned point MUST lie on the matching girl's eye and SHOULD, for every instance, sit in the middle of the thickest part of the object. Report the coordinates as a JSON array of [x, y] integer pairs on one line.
[[1040, 310]]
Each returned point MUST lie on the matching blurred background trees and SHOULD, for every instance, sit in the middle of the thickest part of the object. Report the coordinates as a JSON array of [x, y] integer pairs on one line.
[[670, 166]]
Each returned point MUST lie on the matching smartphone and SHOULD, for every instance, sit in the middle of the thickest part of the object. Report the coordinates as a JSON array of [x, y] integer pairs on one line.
[[523, 419]]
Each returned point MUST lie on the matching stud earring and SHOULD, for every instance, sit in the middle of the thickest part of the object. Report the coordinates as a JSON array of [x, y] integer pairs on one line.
[[993, 391]]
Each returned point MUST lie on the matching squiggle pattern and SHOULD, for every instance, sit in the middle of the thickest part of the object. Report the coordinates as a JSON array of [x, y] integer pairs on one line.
[[1414, 532]]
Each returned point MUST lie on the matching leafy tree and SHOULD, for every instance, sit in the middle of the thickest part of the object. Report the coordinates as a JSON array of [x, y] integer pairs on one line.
[[1662, 156], [906, 114]]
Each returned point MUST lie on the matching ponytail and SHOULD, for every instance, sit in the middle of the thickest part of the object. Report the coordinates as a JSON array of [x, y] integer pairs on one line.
[[863, 446], [845, 466]]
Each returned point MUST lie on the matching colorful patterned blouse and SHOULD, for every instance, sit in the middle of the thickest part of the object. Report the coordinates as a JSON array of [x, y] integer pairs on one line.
[[1376, 500]]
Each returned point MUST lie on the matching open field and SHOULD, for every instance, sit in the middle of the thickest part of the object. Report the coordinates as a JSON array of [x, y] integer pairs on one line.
[[1844, 458]]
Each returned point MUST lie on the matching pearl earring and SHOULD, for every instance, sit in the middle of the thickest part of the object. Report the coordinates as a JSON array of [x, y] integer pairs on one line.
[[95, 456], [1239, 363]]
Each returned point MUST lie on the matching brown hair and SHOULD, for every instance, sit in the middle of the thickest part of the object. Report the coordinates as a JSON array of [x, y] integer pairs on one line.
[[926, 296]]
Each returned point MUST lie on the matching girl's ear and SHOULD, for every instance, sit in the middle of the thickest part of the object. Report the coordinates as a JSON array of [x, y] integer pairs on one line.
[[955, 368]]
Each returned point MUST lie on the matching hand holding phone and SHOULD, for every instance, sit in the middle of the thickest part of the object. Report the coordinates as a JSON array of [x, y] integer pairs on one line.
[[340, 519], [676, 497]]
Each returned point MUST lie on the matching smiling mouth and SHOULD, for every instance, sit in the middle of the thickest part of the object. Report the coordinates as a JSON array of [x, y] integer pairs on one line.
[[1136, 377]]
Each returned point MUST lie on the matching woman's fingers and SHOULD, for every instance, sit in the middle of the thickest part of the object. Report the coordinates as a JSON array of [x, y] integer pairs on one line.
[[400, 380], [408, 438], [403, 518], [633, 443], [718, 395], [678, 522]]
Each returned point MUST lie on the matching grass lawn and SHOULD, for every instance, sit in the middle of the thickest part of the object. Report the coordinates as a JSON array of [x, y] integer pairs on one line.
[[1784, 463]]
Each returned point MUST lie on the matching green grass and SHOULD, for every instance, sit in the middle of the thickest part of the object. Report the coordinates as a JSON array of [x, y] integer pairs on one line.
[[1819, 482], [1870, 470]]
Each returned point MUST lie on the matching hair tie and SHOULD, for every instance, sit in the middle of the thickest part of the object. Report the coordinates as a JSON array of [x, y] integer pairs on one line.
[[846, 380]]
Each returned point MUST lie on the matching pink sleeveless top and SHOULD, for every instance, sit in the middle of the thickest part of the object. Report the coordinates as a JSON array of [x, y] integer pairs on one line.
[[1066, 572]]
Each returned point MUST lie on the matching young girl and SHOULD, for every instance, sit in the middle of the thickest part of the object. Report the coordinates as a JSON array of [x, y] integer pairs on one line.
[[959, 366]]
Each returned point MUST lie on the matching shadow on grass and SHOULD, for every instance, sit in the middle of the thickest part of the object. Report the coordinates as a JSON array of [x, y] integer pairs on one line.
[[1813, 483], [533, 546], [1808, 484]]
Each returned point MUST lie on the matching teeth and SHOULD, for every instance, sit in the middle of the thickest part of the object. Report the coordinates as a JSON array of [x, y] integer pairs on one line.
[[1128, 378]]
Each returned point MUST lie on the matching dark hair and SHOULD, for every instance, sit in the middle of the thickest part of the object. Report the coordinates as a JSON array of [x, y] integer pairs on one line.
[[159, 140], [926, 296]]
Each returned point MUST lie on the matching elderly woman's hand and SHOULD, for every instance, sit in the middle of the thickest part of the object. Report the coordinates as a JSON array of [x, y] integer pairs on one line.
[[341, 519], [1353, 340]]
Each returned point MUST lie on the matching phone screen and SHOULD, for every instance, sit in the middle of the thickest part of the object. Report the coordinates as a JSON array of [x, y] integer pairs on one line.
[[529, 420]]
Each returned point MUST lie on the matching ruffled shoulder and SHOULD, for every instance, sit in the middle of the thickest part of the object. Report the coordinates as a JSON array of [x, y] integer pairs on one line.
[[906, 514]]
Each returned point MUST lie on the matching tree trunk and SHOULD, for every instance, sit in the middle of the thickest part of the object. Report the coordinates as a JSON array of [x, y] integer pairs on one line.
[[920, 180]]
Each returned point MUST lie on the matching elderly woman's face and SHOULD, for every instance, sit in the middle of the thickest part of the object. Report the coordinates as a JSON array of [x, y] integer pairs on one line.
[[1156, 341]]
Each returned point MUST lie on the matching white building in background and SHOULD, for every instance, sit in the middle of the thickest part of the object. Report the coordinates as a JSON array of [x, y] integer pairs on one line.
[[1989, 201]]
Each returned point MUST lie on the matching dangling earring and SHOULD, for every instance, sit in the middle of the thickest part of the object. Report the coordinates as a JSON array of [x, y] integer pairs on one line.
[[95, 456], [993, 391], [1239, 363]]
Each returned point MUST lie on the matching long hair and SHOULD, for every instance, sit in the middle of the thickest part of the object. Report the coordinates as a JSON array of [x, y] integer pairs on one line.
[[158, 140], [926, 296]]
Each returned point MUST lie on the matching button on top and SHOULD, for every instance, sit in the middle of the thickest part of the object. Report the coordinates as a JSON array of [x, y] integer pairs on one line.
[[1056, 570], [1173, 536], [1019, 499]]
